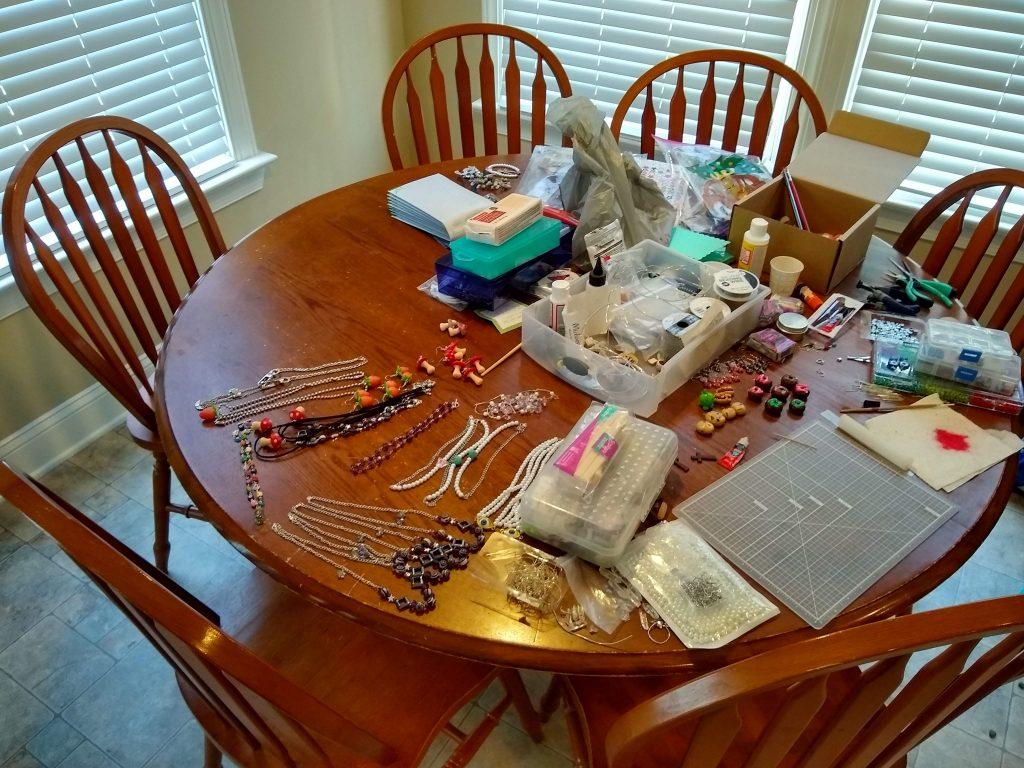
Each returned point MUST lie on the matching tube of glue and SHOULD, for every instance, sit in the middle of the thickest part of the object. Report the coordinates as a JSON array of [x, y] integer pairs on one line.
[[735, 456]]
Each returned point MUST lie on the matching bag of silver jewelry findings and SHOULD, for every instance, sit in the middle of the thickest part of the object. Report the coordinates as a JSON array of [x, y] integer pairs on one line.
[[526, 578], [703, 600]]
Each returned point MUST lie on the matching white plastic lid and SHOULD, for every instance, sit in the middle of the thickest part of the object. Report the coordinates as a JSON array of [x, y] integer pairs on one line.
[[759, 227], [560, 291]]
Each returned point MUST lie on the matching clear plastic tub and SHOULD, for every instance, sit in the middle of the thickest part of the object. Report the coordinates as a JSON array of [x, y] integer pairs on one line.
[[980, 357], [598, 525], [640, 392]]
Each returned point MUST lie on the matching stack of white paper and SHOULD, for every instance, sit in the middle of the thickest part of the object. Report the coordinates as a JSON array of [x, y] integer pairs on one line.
[[435, 204]]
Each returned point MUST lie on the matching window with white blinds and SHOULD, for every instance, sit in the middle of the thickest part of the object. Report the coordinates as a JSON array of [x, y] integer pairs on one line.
[[63, 60], [605, 45], [954, 69]]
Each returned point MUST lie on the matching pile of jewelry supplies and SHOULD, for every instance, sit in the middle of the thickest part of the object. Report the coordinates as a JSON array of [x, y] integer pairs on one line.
[[420, 548]]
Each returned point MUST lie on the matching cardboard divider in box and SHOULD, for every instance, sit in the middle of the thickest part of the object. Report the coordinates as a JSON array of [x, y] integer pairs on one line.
[[842, 178], [639, 391]]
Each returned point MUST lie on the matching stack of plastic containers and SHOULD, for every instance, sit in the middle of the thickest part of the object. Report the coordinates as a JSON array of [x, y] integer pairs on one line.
[[480, 274], [592, 497], [982, 358]]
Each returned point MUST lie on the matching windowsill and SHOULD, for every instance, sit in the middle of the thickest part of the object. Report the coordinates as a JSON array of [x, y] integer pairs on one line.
[[241, 180]]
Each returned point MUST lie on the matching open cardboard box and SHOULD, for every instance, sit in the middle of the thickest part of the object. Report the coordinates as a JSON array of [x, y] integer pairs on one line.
[[842, 177]]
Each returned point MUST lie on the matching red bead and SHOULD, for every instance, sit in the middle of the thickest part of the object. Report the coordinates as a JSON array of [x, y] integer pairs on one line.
[[295, 415], [266, 425], [209, 413], [275, 441]]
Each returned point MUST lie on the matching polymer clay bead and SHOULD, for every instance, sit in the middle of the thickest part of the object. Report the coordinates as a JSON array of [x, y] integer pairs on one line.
[[773, 407], [706, 401], [797, 406], [789, 381], [762, 381], [755, 393], [704, 427], [780, 393], [802, 392], [716, 418], [739, 408], [729, 413]]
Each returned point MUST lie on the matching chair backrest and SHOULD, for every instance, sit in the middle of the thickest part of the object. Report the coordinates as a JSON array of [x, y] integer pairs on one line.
[[722, 63], [106, 317], [267, 713], [960, 194], [835, 700], [530, 47]]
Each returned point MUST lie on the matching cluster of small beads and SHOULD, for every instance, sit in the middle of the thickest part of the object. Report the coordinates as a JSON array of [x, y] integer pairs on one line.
[[253, 491]]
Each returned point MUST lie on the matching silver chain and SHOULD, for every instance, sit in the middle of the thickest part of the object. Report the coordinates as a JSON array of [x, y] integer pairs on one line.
[[239, 403]]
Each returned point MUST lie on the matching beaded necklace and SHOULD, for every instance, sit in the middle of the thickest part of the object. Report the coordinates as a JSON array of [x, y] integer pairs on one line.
[[503, 510], [395, 444], [426, 557]]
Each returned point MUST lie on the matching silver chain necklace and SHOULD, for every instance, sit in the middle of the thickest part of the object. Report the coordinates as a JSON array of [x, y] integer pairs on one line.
[[299, 385]]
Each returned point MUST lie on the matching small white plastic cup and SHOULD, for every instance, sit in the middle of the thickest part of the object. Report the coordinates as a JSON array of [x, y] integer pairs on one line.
[[785, 271]]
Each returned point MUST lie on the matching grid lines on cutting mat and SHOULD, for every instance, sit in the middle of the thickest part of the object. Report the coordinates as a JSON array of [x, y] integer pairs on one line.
[[816, 526]]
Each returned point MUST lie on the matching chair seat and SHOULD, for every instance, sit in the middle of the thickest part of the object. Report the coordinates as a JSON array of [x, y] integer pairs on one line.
[[401, 694]]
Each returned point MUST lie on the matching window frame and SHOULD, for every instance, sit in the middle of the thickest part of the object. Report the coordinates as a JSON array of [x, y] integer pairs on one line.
[[829, 55], [244, 177]]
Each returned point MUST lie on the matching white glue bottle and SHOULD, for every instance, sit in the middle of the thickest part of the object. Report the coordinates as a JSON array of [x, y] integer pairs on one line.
[[559, 298], [754, 248]]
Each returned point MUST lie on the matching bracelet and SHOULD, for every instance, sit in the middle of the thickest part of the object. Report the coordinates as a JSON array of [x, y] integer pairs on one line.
[[392, 446], [503, 170]]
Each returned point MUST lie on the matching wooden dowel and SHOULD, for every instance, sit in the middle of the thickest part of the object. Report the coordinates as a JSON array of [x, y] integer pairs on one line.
[[890, 408], [503, 358]]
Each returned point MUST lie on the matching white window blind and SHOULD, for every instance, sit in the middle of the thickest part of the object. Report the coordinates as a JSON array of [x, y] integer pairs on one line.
[[63, 60], [605, 45], [954, 69]]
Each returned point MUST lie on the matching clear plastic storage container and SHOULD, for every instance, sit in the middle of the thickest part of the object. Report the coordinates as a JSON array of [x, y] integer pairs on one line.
[[983, 358], [599, 524], [610, 381]]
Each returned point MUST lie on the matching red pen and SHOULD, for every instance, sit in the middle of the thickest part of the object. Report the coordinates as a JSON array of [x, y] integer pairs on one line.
[[735, 456]]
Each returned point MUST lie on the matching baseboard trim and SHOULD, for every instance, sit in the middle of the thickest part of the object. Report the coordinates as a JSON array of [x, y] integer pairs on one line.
[[59, 433]]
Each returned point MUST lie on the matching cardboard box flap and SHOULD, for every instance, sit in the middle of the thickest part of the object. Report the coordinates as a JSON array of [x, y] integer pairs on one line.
[[861, 156]]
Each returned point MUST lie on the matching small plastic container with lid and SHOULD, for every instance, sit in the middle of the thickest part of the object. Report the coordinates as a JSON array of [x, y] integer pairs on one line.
[[983, 358], [598, 523]]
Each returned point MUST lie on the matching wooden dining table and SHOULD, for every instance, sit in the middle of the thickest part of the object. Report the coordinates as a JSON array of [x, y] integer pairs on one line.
[[336, 277]]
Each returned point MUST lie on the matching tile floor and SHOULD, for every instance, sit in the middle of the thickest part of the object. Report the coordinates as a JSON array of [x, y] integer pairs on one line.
[[79, 689]]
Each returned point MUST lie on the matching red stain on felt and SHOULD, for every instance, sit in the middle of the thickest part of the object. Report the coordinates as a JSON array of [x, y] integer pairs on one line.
[[952, 441]]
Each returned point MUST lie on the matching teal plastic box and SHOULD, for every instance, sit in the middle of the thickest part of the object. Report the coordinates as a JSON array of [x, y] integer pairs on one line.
[[491, 261]]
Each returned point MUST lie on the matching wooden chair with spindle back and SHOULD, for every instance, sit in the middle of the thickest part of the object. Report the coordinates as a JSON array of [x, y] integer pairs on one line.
[[836, 701], [111, 316], [300, 686], [403, 70], [741, 63], [940, 255]]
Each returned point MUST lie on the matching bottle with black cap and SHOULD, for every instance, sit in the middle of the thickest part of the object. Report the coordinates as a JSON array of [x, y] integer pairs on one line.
[[596, 298]]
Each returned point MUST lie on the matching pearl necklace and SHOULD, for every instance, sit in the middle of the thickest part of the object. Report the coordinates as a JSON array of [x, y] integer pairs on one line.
[[504, 508], [519, 428], [455, 456], [437, 462]]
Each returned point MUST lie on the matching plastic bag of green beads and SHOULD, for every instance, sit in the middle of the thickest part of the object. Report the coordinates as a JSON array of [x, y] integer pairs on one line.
[[701, 598]]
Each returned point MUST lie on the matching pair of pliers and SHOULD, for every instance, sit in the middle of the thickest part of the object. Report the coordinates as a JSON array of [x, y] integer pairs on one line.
[[943, 292]]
